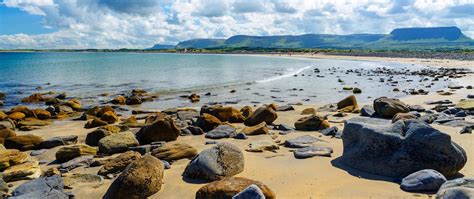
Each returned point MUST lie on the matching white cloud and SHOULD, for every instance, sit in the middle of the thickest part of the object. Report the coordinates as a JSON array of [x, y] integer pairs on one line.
[[139, 24]]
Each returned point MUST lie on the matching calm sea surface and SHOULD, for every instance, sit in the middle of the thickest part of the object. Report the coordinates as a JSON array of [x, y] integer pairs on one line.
[[256, 79]]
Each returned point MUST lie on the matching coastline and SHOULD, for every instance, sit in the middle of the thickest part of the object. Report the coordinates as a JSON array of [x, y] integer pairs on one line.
[[318, 177]]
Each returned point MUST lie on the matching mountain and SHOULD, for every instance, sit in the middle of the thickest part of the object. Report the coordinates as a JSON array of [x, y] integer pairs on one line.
[[162, 47], [398, 39]]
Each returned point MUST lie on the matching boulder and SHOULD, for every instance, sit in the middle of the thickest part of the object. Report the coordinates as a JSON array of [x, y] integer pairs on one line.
[[388, 107], [33, 122], [46, 187], [231, 186], [171, 152], [311, 123], [119, 163], [92, 138], [222, 131], [96, 122], [312, 151], [141, 179], [74, 104], [162, 129], [259, 129], [23, 142], [348, 105], [59, 141], [461, 188], [70, 152], [224, 114], [208, 122], [109, 117], [36, 97], [410, 143], [10, 157], [6, 133], [265, 114], [3, 115], [426, 180], [251, 192], [220, 161], [24, 171], [117, 143]]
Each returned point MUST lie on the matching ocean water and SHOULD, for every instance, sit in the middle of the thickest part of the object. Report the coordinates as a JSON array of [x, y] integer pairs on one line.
[[256, 79]]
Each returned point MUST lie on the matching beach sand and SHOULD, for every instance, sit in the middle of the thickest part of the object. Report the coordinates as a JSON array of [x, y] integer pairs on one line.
[[317, 177]]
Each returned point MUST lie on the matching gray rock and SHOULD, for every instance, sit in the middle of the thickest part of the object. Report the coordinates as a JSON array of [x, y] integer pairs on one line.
[[282, 127], [428, 118], [117, 143], [38, 152], [461, 188], [76, 162], [241, 136], [3, 187], [423, 181], [222, 131], [367, 111], [374, 146], [312, 151], [331, 131], [285, 108], [187, 115], [46, 187], [195, 130], [221, 160], [417, 108], [251, 192], [301, 141], [59, 141], [145, 148], [466, 130]]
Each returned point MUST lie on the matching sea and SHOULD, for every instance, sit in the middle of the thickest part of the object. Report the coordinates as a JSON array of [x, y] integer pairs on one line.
[[253, 79]]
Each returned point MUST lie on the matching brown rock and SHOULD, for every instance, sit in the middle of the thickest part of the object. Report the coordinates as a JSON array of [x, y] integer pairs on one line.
[[194, 98], [109, 117], [67, 153], [311, 123], [119, 100], [23, 142], [162, 129], [3, 115], [119, 163], [403, 116], [10, 157], [208, 122], [388, 107], [132, 122], [348, 105], [74, 104], [42, 114], [141, 179], [94, 123], [31, 121], [24, 171], [6, 133], [36, 97], [176, 151], [258, 129], [228, 187], [224, 114], [308, 111], [92, 138], [17, 116], [263, 114]]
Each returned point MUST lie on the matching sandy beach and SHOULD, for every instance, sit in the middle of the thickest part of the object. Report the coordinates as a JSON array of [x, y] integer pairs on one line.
[[288, 177]]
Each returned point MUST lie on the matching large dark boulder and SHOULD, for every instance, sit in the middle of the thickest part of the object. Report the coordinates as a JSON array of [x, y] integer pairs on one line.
[[378, 147]]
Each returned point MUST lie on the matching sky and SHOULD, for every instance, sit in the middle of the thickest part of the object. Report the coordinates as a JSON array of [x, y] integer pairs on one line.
[[78, 24]]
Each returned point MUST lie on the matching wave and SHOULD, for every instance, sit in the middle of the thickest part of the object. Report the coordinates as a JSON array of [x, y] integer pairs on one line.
[[291, 72]]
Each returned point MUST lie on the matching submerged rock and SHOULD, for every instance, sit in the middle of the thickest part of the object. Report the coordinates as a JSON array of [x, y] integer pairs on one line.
[[220, 161], [410, 143]]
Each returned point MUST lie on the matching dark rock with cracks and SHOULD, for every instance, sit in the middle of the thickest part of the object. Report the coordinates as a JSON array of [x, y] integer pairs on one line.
[[375, 146], [46, 187]]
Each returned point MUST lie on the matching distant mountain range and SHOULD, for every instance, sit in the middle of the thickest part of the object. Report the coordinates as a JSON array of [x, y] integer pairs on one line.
[[398, 39]]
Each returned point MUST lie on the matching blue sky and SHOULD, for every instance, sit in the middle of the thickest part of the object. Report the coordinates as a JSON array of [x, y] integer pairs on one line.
[[142, 23]]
